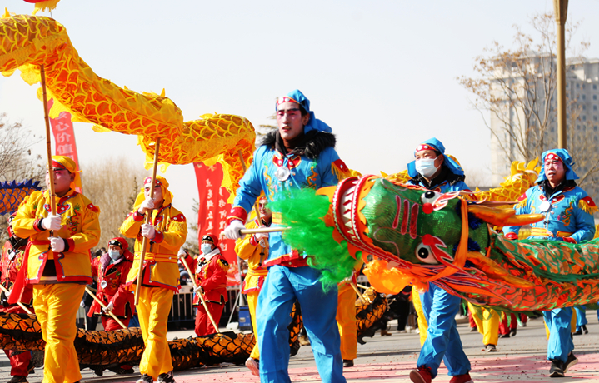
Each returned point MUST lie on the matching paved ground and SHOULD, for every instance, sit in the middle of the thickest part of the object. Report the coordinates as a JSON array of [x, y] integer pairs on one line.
[[389, 359]]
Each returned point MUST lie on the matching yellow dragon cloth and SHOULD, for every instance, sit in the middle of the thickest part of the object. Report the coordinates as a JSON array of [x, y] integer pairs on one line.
[[27, 42]]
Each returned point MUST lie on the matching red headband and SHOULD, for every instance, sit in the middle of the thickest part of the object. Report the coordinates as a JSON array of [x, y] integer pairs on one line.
[[550, 157], [148, 180], [58, 165], [281, 100], [422, 147]]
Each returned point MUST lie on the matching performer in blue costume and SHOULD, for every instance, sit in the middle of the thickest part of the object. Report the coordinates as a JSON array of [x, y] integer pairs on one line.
[[581, 320], [437, 172], [299, 154], [568, 217]]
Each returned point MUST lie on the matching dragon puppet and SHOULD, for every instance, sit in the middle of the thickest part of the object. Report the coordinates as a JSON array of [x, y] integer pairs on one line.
[[12, 193], [418, 236], [28, 42]]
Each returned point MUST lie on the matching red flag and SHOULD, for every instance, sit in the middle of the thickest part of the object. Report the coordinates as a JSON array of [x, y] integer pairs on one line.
[[64, 137], [212, 212]]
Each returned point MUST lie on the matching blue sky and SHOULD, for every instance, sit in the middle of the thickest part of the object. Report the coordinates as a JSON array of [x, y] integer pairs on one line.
[[382, 74]]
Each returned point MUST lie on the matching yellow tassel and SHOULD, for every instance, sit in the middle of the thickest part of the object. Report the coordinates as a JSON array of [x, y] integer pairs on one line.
[[584, 206], [340, 174], [44, 6]]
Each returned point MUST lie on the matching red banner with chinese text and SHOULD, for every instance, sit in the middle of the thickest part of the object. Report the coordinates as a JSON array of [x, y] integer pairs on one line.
[[212, 212], [64, 137]]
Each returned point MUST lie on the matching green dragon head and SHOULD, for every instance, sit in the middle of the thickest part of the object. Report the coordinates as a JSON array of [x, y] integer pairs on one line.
[[410, 222], [424, 234]]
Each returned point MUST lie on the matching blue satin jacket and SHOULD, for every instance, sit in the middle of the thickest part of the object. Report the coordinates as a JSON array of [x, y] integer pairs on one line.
[[567, 211], [261, 176]]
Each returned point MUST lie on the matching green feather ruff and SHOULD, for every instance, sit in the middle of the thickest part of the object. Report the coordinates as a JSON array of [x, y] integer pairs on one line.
[[303, 210]]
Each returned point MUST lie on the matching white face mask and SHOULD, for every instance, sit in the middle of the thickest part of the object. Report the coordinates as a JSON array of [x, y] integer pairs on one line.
[[426, 166], [114, 255], [206, 248]]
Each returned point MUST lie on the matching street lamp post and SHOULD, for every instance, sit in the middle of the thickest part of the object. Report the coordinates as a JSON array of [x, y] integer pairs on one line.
[[560, 8]]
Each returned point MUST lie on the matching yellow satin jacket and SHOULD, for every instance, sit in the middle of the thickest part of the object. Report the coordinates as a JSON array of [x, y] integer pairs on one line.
[[80, 229], [251, 251], [160, 262]]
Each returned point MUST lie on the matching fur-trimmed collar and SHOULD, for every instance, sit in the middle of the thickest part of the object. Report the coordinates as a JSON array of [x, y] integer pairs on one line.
[[311, 144], [549, 191]]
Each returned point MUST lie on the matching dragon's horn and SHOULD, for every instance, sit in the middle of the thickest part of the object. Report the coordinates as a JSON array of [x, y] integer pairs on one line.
[[502, 216]]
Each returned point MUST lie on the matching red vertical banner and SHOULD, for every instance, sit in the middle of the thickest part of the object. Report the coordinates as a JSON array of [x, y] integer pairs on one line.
[[64, 137], [213, 210]]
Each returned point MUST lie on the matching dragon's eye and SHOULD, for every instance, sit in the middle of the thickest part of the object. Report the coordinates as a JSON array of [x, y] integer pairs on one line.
[[430, 196], [425, 254]]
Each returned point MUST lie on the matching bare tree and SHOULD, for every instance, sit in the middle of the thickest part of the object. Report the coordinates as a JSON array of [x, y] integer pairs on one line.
[[514, 91], [112, 184], [16, 159], [477, 177]]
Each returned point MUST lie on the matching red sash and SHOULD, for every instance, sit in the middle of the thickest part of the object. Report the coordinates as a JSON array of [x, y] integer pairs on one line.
[[19, 285]]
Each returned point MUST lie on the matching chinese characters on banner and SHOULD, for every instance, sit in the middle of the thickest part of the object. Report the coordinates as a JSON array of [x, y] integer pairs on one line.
[[212, 212], [64, 137]]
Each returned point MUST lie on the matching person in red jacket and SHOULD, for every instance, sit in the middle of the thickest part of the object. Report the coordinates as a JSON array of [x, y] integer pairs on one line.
[[112, 269], [11, 262], [211, 278]]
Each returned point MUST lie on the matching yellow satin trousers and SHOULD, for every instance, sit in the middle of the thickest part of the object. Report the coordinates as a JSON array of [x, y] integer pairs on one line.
[[252, 304], [346, 321], [56, 308], [152, 310], [487, 323]]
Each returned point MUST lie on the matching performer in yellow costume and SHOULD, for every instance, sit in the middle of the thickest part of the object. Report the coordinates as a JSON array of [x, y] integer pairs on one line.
[[166, 233], [487, 323], [254, 250], [346, 317], [58, 266]]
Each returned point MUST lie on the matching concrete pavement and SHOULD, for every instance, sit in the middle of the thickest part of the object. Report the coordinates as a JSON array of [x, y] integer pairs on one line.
[[389, 359]]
